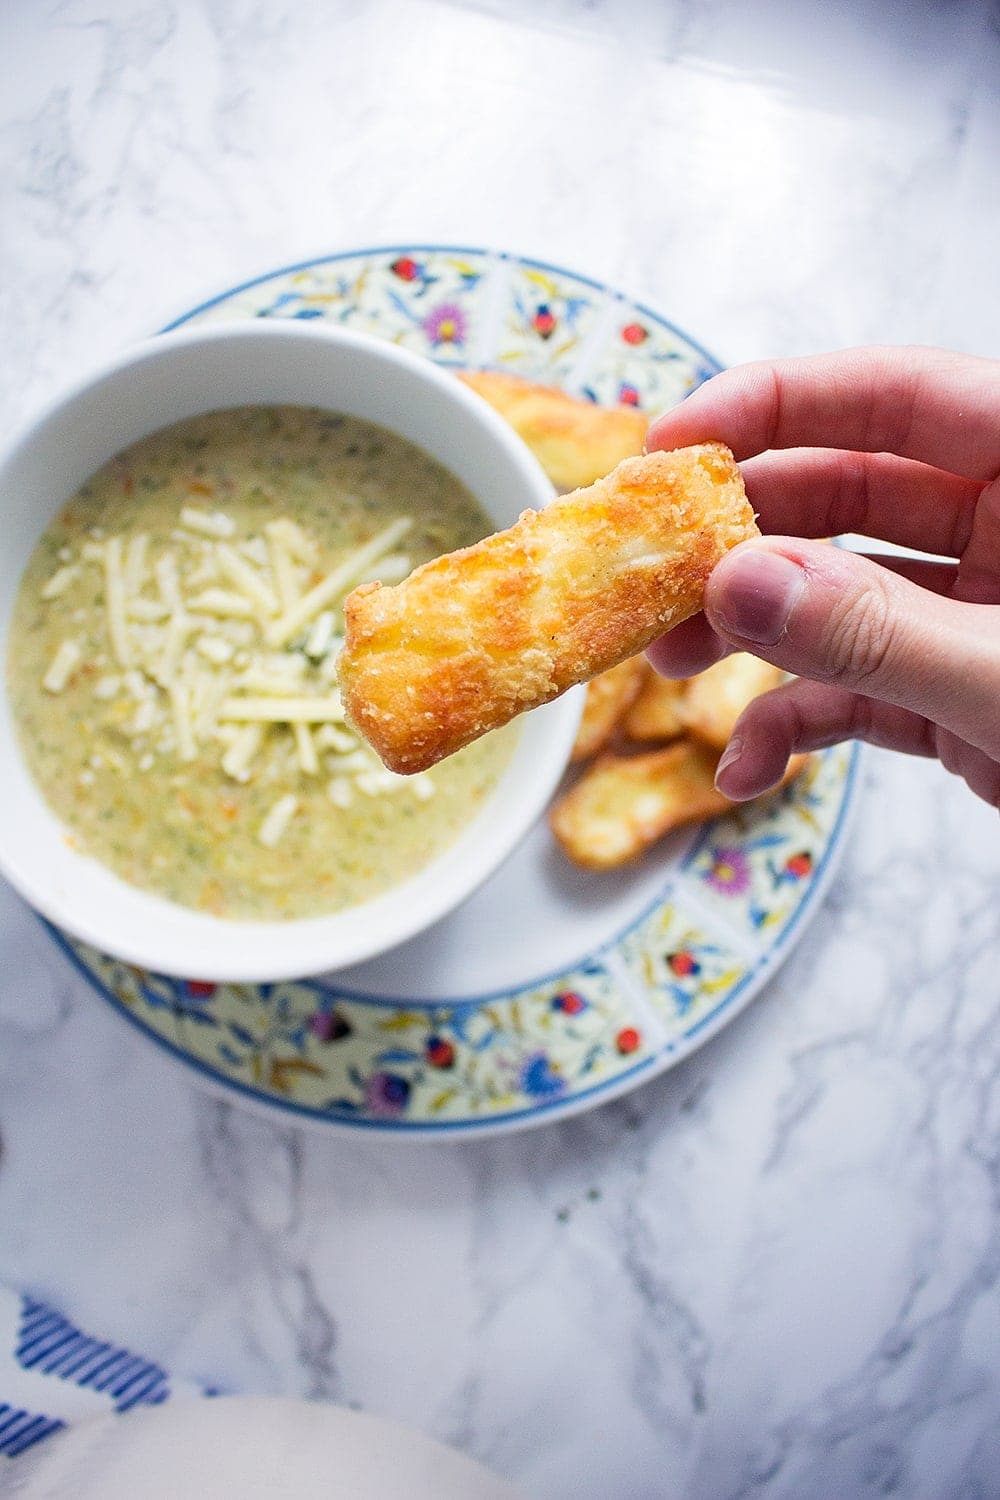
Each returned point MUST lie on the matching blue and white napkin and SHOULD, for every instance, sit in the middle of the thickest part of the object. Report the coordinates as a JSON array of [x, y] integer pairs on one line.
[[52, 1375]]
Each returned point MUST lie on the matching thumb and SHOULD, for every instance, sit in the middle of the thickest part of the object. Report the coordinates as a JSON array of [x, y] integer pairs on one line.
[[830, 615]]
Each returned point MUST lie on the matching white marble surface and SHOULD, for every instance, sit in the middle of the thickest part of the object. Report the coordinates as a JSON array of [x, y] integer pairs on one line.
[[772, 1272]]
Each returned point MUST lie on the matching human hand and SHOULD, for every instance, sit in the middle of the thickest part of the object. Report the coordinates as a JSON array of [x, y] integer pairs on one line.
[[897, 443]]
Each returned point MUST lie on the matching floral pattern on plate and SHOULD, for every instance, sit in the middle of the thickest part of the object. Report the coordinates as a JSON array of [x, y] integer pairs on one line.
[[643, 362], [617, 1012], [342, 1057], [755, 866], [430, 303], [547, 318], [686, 972]]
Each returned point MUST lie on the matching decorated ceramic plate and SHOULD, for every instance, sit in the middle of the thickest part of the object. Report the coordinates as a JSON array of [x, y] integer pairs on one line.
[[552, 989]]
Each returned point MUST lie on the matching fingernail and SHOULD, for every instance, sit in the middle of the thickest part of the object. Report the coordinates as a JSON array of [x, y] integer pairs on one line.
[[728, 758], [759, 592]]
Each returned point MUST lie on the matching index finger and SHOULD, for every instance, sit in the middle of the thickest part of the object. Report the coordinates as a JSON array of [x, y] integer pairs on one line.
[[929, 404]]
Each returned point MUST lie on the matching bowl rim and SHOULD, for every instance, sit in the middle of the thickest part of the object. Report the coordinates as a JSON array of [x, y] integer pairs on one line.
[[301, 940]]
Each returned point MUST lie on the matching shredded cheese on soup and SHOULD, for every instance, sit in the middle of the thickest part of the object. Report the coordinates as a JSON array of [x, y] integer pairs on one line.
[[183, 617]]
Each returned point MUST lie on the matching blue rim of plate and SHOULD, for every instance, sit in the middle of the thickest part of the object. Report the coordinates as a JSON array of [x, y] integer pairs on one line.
[[640, 992]]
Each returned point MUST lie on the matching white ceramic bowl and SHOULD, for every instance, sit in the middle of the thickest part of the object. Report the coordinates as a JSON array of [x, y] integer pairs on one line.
[[179, 375]]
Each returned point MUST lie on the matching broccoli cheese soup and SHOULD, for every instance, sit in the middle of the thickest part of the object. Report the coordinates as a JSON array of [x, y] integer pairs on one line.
[[172, 674]]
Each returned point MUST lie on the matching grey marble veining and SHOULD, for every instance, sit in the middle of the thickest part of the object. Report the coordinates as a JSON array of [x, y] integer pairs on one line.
[[772, 1272]]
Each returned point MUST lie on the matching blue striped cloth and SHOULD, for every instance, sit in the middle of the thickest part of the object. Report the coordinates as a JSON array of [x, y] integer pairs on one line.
[[51, 1375]]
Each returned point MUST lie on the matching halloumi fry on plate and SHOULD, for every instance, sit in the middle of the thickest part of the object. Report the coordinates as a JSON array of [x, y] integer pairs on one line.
[[655, 714], [714, 699], [575, 441], [621, 806], [609, 696], [473, 638]]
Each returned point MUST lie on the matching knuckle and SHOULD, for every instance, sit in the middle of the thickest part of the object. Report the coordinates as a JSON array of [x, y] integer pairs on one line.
[[951, 752], [979, 770], [988, 787], [860, 639], [851, 500]]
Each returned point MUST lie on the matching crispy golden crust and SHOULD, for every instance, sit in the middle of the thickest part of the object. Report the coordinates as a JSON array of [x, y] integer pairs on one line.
[[608, 698], [477, 636], [621, 806], [714, 700], [655, 713], [574, 441]]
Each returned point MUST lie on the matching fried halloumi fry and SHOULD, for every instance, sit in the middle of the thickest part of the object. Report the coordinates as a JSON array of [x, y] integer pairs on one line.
[[655, 713], [714, 699], [473, 638], [622, 806], [575, 441], [608, 698]]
